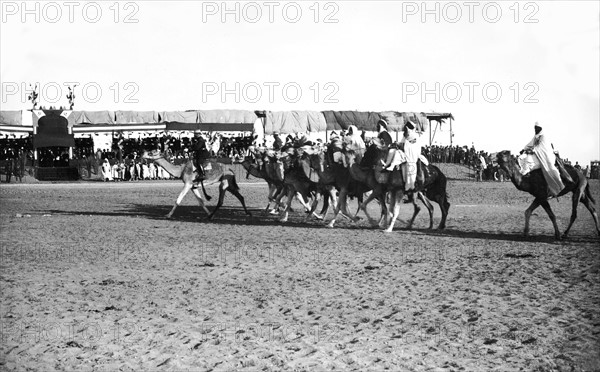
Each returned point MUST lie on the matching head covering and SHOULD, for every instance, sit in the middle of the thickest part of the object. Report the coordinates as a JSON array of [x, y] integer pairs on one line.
[[537, 127]]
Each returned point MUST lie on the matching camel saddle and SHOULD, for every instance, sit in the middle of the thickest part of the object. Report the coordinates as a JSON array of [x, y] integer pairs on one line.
[[310, 173]]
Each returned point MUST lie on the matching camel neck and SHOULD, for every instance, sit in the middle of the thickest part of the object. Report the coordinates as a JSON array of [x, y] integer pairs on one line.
[[174, 170], [513, 173], [252, 169]]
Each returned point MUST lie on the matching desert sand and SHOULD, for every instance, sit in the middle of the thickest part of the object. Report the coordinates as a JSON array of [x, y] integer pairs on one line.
[[93, 278]]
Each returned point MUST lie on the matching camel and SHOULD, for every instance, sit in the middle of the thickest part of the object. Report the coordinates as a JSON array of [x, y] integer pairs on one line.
[[313, 166], [215, 172], [347, 182], [296, 184], [434, 187], [365, 179], [535, 184], [276, 187]]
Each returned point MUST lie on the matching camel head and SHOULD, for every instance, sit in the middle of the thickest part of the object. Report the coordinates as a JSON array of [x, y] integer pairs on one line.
[[152, 155], [504, 157]]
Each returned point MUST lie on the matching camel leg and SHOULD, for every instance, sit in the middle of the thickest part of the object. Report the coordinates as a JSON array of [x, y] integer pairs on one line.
[[396, 201], [329, 195], [186, 188], [300, 198], [269, 197], [222, 187], [198, 196], [442, 200], [590, 206], [548, 210], [416, 207], [575, 202], [363, 206], [280, 194], [345, 213], [429, 207], [313, 207], [385, 215], [284, 213], [536, 203], [444, 207], [239, 196], [341, 202]]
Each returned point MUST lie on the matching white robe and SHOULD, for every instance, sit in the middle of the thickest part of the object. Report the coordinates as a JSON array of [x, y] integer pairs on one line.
[[354, 142], [107, 171], [412, 150], [543, 150]]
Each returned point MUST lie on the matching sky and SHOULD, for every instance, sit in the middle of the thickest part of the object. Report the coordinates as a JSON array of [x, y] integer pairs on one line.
[[498, 67]]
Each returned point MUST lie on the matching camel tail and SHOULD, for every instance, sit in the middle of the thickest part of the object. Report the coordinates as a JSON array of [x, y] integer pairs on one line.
[[208, 197]]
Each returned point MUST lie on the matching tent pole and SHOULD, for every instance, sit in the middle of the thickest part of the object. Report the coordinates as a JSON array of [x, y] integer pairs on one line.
[[450, 132], [70, 148], [429, 133]]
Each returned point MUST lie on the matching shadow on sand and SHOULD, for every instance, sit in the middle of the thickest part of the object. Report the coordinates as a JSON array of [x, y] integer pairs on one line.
[[236, 216]]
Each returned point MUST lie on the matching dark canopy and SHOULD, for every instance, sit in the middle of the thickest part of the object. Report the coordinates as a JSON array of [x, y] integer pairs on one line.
[[337, 120], [53, 130]]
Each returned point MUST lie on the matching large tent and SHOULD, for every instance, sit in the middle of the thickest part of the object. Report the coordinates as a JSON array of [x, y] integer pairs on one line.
[[210, 120], [16, 123], [363, 120], [267, 122], [295, 122]]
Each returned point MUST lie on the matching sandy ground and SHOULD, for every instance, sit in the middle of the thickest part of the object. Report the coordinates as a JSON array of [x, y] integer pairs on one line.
[[93, 278]]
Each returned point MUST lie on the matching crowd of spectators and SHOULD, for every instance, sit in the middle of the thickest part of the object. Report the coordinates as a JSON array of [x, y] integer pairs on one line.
[[123, 160]]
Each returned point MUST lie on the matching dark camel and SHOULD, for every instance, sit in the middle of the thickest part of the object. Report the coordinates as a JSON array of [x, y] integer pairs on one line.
[[432, 188], [301, 185], [358, 181], [267, 173], [535, 184], [215, 172]]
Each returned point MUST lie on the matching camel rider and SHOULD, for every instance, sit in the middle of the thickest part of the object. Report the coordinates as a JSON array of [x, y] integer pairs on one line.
[[277, 142], [355, 142], [200, 156], [412, 149], [395, 157], [552, 169], [384, 135], [262, 156], [336, 148]]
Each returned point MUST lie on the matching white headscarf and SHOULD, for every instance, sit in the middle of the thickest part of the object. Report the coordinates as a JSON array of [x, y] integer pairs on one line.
[[354, 141]]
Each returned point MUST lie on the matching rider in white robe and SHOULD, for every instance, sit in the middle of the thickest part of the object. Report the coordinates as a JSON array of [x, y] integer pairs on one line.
[[542, 149], [354, 142], [412, 150]]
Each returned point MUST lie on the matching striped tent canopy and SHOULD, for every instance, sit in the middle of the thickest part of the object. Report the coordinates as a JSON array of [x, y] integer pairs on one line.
[[295, 122], [396, 120]]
